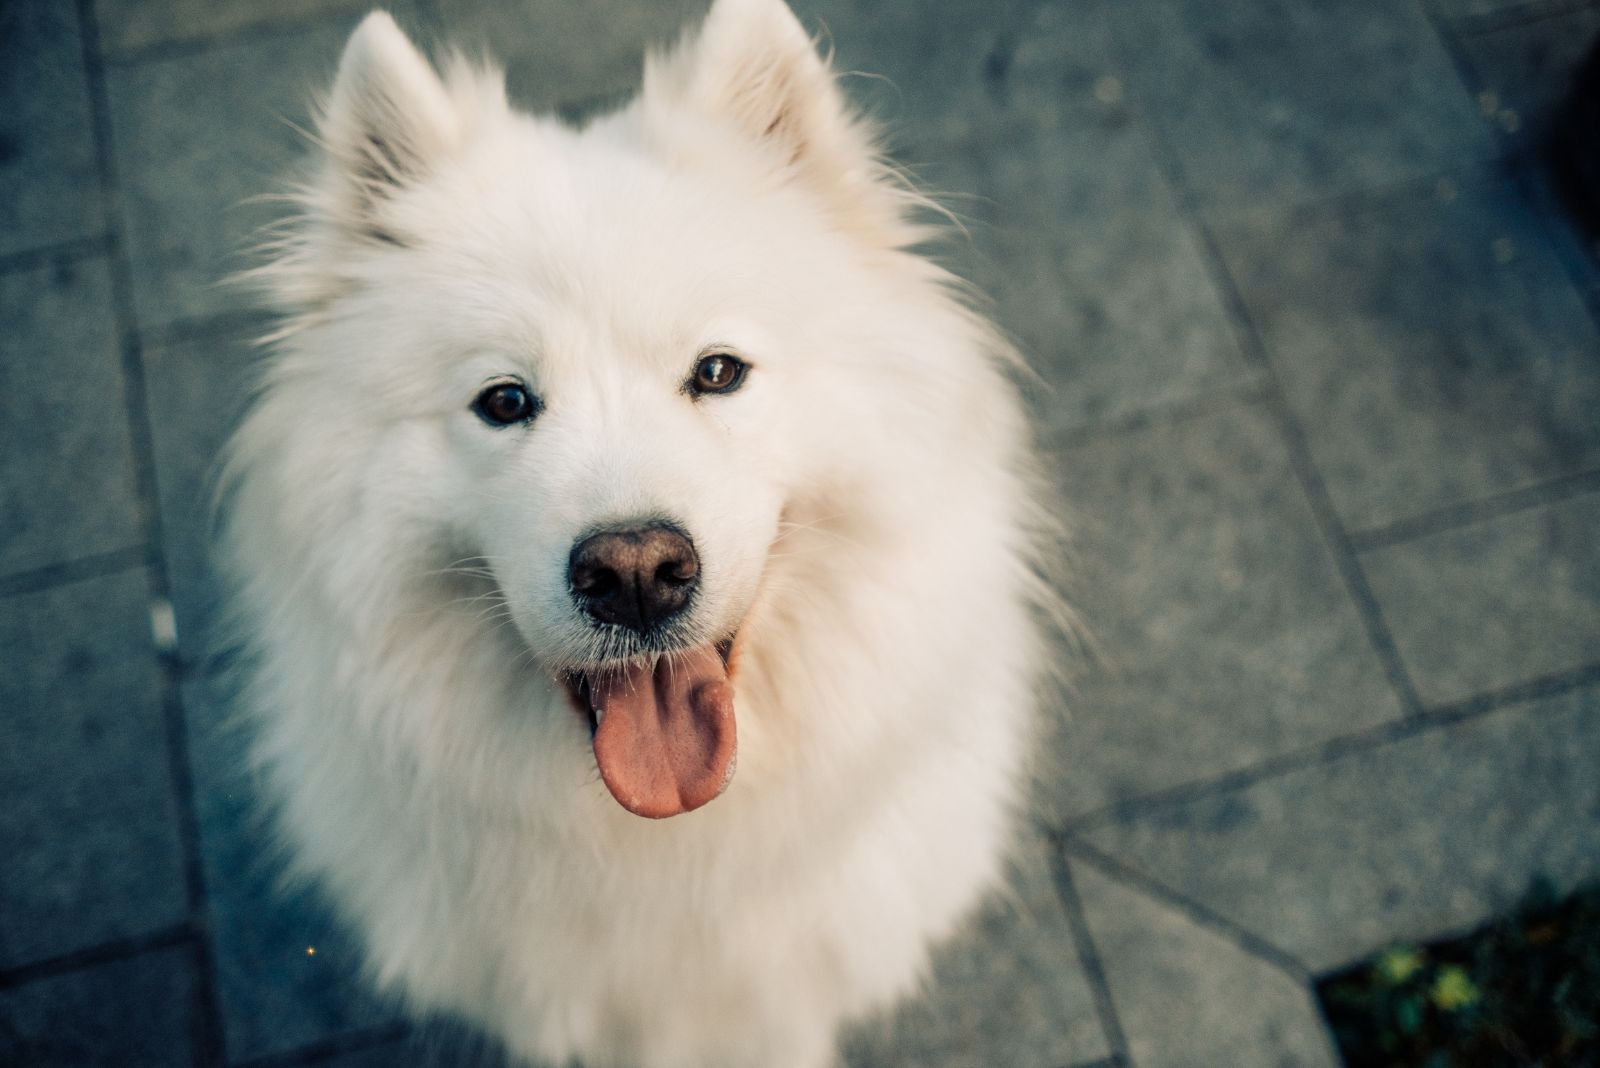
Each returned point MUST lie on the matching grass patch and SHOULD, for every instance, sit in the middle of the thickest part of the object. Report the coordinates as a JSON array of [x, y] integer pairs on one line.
[[1523, 990]]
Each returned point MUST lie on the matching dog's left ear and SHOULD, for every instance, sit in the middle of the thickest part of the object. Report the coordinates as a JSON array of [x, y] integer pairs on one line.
[[751, 63]]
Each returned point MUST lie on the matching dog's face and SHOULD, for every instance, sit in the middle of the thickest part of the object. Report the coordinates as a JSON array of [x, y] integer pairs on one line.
[[602, 367]]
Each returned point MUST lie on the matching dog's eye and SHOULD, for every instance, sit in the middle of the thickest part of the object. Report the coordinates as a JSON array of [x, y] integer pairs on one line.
[[718, 373], [505, 403]]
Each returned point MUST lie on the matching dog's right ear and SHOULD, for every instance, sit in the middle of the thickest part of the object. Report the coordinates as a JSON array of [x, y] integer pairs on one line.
[[388, 122]]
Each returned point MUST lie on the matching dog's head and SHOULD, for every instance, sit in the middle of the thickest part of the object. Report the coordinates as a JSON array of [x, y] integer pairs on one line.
[[605, 366]]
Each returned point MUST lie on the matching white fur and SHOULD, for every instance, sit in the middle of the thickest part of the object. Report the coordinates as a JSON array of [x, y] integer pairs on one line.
[[861, 507]]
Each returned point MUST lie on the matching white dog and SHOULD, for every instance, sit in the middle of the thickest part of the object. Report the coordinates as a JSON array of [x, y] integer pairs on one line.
[[591, 463]]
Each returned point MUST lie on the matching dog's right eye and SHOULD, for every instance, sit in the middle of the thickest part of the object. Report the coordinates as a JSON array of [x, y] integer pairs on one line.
[[506, 403]]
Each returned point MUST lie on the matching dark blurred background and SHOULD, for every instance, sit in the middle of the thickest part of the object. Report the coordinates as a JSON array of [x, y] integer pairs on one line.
[[1321, 386]]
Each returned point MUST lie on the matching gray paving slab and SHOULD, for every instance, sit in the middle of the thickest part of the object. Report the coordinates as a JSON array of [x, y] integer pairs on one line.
[[133, 1013], [1418, 838], [1284, 101], [1090, 265], [923, 71], [1430, 344], [1224, 634], [1496, 602], [197, 137], [1008, 990], [561, 55], [197, 389], [132, 24], [287, 974], [66, 467], [89, 827], [49, 177], [1061, 64], [1187, 997], [1470, 11], [1528, 67], [429, 1044]]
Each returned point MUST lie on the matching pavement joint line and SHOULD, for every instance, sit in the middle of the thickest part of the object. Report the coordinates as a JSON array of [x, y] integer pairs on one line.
[[1553, 684], [60, 252], [112, 952], [1241, 937], [206, 1023], [1088, 954], [61, 573], [1301, 461], [326, 1049], [1439, 717], [1345, 557], [1253, 349], [208, 1026], [1483, 510], [132, 364]]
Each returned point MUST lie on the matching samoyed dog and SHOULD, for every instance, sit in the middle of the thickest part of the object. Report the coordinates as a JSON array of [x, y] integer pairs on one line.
[[635, 543]]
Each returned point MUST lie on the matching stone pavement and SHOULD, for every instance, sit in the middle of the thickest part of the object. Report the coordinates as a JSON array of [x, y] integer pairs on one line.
[[1324, 397]]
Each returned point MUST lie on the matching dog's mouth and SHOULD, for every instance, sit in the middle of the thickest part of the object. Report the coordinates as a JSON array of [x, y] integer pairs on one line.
[[662, 726]]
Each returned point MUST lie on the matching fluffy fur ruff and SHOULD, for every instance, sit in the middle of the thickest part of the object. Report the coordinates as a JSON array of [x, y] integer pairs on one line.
[[861, 506]]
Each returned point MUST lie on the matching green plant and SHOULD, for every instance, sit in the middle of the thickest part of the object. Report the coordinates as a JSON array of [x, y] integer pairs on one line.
[[1522, 991]]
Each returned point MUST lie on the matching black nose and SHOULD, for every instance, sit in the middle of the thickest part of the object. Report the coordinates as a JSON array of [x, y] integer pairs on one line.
[[636, 578]]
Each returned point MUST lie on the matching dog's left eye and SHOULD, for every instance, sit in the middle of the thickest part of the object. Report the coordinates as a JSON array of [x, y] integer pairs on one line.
[[717, 372], [505, 403]]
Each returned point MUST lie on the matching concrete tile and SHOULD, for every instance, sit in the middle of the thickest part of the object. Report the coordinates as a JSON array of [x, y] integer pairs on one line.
[[1287, 100], [1008, 990], [1429, 342], [431, 1044], [563, 55], [129, 1014], [1063, 64], [197, 390], [66, 458], [49, 177], [925, 71], [1223, 632], [274, 995], [1474, 10], [1090, 267], [197, 136], [1495, 602], [1412, 840], [1528, 68], [129, 24], [1187, 997], [89, 828]]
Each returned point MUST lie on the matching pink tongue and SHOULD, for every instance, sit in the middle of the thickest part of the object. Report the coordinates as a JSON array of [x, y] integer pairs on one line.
[[665, 743]]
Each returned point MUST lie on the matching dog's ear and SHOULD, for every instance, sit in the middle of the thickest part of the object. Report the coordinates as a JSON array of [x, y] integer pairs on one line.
[[387, 122], [751, 62]]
